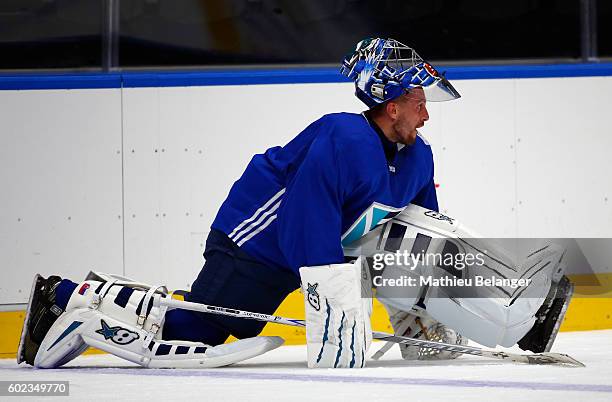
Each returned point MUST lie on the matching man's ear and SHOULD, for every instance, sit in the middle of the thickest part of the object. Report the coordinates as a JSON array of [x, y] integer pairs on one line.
[[391, 109]]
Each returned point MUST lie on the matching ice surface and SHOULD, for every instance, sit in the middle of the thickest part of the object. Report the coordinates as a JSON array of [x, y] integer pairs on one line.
[[282, 375]]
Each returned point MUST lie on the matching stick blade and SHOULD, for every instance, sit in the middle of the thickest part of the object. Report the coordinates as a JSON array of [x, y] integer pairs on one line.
[[560, 358], [548, 358]]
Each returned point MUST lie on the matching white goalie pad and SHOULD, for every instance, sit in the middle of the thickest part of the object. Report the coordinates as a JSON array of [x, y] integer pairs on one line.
[[338, 310], [125, 322], [496, 313]]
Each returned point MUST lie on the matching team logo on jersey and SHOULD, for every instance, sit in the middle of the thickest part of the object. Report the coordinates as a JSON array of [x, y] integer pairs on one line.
[[439, 216], [313, 296], [375, 215], [119, 335]]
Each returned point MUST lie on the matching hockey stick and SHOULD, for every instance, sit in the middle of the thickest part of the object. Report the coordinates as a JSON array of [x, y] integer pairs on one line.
[[539, 358]]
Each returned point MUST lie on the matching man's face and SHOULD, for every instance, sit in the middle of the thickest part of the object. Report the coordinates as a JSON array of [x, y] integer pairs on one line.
[[411, 113]]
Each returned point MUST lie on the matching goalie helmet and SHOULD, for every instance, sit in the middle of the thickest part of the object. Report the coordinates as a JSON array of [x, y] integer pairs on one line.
[[384, 69]]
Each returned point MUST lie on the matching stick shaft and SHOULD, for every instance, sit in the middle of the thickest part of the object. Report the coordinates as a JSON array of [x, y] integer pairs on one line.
[[544, 358], [206, 308]]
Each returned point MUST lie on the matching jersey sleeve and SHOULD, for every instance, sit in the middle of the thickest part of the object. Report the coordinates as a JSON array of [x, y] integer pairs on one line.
[[310, 218]]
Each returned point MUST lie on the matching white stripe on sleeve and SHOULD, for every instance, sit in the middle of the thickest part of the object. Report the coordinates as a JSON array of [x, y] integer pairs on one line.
[[256, 214]]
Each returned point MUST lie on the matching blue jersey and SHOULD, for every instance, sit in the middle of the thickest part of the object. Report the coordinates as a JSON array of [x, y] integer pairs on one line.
[[298, 205]]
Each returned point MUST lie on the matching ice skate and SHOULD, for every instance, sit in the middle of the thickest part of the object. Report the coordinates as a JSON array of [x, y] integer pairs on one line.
[[41, 313], [549, 317]]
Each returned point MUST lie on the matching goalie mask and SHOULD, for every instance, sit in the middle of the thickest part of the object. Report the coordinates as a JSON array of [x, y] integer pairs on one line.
[[384, 69]]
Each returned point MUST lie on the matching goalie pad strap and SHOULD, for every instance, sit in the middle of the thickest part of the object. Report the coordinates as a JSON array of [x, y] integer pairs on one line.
[[96, 298]]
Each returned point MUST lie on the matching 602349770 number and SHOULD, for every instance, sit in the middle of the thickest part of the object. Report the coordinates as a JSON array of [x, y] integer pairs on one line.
[[8, 388]]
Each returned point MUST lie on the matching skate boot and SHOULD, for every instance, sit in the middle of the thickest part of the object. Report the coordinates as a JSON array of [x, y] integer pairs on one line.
[[425, 327], [438, 332], [549, 317], [41, 313], [418, 324]]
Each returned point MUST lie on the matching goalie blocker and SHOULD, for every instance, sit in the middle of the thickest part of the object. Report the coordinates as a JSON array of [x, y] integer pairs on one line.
[[338, 310]]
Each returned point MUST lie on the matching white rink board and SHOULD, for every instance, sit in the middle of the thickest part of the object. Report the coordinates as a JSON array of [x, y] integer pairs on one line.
[[60, 181], [513, 157], [474, 153], [564, 173]]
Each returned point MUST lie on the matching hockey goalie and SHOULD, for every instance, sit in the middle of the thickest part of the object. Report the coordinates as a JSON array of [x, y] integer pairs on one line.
[[318, 213]]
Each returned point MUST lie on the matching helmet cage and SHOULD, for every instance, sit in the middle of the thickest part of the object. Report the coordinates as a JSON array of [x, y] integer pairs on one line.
[[384, 69]]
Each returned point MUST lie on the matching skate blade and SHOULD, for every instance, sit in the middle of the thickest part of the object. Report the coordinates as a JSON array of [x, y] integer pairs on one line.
[[26, 321]]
